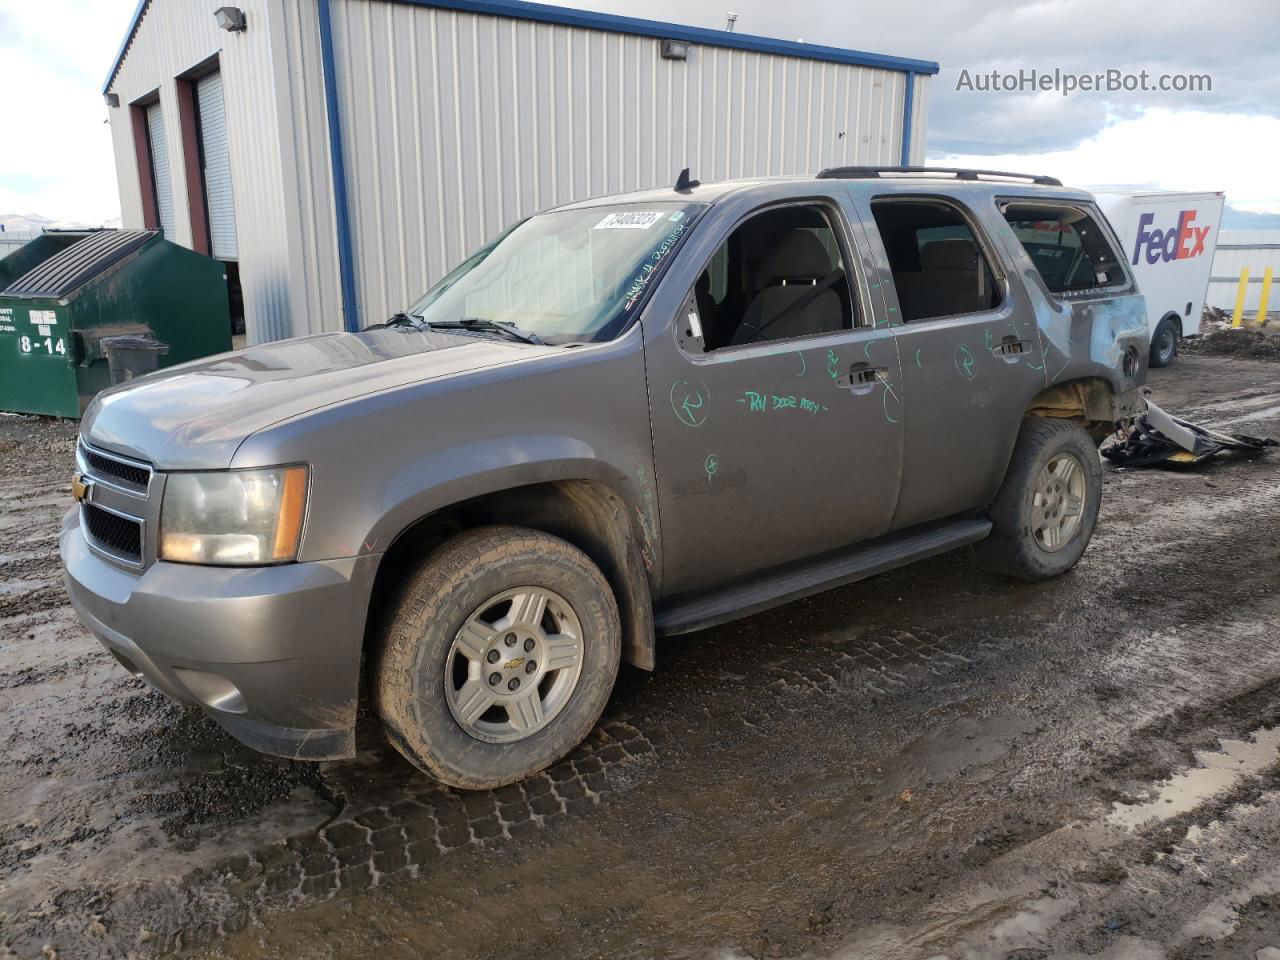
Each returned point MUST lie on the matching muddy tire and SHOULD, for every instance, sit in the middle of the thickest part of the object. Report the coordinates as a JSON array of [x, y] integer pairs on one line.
[[498, 657], [1164, 344], [1045, 512]]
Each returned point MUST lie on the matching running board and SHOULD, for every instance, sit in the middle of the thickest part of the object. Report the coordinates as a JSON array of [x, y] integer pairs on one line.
[[796, 581]]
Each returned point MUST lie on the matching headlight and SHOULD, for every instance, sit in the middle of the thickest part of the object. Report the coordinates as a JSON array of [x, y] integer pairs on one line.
[[233, 517]]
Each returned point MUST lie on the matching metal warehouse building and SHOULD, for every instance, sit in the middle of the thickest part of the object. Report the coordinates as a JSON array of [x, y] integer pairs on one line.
[[1252, 250], [342, 155]]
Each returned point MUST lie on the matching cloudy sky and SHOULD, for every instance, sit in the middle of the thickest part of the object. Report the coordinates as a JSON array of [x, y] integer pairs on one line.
[[57, 159]]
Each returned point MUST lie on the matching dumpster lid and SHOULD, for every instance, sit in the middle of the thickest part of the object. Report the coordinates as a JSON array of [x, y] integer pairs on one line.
[[71, 268], [134, 341]]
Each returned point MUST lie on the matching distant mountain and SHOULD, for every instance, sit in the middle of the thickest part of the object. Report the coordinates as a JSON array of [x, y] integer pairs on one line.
[[1233, 219], [34, 223]]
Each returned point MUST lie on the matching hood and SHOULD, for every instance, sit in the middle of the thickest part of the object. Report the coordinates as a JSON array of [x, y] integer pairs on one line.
[[196, 415]]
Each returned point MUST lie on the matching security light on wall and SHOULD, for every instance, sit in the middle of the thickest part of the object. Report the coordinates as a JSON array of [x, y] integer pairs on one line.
[[112, 99], [230, 19], [675, 50]]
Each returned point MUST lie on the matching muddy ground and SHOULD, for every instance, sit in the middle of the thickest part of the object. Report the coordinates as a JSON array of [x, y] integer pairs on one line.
[[1243, 344], [933, 763]]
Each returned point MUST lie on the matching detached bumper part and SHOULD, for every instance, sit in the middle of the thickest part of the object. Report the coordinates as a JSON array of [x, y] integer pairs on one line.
[[271, 653], [1158, 437]]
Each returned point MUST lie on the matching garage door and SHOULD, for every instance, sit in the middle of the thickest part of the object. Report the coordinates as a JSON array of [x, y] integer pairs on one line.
[[216, 160], [160, 169]]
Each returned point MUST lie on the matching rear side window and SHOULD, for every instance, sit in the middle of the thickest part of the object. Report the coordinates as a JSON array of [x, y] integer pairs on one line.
[[1067, 246], [939, 267]]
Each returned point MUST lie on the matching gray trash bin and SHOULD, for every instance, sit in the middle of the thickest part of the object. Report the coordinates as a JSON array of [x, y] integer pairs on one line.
[[132, 356]]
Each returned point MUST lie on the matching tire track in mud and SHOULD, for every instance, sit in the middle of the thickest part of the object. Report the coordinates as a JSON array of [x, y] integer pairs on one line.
[[416, 823], [1128, 879]]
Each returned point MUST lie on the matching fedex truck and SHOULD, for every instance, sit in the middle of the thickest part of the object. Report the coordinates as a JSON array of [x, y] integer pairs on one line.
[[1168, 239]]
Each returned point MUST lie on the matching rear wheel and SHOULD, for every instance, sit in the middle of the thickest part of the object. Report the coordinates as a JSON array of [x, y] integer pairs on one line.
[[499, 657], [1044, 515], [1164, 345]]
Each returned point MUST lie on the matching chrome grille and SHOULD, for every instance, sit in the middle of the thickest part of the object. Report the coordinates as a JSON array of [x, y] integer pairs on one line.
[[120, 501], [132, 474], [116, 534], [128, 473]]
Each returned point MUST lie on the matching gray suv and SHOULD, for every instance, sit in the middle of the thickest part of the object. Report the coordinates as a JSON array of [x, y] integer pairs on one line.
[[624, 418]]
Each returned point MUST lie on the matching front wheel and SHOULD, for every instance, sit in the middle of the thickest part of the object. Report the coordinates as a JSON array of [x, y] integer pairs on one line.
[[499, 657], [1164, 345], [1045, 512]]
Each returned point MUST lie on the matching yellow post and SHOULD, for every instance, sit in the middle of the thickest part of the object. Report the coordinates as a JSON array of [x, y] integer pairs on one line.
[[1262, 302], [1237, 318]]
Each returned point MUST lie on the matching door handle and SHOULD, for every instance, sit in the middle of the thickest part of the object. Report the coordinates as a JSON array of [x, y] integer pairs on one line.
[[1011, 349], [862, 378]]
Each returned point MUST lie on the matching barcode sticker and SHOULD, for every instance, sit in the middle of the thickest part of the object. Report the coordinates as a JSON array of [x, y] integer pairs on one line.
[[637, 220]]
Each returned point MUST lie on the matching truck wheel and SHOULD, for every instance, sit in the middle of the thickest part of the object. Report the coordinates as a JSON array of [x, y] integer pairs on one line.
[[1164, 345], [1044, 514], [498, 658]]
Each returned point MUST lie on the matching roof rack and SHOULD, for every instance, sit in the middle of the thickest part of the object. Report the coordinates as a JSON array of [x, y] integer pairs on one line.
[[960, 173]]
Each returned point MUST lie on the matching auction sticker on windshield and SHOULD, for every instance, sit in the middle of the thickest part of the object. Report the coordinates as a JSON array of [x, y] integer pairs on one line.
[[635, 220]]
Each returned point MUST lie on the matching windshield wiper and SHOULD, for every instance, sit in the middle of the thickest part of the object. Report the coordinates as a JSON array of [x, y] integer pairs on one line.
[[399, 320], [488, 326]]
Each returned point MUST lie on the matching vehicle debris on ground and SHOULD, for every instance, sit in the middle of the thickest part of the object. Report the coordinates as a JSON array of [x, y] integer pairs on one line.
[[1162, 439]]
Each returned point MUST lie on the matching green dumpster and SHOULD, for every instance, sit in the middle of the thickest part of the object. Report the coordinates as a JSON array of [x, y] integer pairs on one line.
[[63, 294]]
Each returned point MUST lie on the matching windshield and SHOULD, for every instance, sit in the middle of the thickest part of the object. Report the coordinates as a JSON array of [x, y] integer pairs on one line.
[[569, 275]]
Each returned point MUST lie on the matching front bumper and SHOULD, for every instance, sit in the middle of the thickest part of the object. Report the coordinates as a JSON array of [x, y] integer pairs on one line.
[[271, 653]]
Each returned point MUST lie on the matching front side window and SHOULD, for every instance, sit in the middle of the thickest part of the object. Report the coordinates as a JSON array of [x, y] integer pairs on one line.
[[1067, 246], [567, 275], [778, 276], [939, 268]]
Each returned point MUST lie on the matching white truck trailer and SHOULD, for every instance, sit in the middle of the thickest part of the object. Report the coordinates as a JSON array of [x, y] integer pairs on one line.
[[1169, 239]]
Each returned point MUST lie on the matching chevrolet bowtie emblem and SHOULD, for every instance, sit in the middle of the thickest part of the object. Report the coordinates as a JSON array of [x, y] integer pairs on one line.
[[512, 664], [81, 488]]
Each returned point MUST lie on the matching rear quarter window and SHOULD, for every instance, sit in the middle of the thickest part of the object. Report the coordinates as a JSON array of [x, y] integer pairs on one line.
[[1069, 248]]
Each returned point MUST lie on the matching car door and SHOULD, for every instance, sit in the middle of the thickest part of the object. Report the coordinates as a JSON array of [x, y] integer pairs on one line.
[[971, 357], [777, 443]]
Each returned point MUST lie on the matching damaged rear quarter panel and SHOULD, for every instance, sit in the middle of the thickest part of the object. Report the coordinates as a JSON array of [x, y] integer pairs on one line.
[[1089, 333]]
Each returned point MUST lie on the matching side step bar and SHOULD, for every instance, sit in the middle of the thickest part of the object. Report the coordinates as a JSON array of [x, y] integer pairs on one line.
[[796, 581]]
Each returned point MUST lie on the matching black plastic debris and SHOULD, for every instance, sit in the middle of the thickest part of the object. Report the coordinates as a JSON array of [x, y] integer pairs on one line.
[[1161, 439]]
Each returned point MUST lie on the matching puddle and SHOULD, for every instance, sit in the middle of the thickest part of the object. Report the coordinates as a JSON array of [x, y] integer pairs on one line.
[[1218, 771], [1239, 403], [969, 746], [1266, 413], [1221, 917]]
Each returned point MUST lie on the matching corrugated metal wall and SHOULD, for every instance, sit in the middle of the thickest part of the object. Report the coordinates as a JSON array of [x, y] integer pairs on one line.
[[1237, 249], [174, 37], [11, 241], [317, 265], [457, 124]]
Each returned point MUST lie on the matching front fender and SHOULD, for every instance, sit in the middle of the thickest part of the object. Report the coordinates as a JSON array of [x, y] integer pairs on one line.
[[442, 478], [381, 462]]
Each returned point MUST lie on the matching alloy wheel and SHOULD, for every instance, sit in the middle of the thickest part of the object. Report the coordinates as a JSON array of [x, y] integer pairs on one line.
[[514, 664]]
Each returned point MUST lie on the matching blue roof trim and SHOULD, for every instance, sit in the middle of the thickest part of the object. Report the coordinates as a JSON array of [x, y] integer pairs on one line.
[[546, 13], [124, 44], [908, 106], [587, 19]]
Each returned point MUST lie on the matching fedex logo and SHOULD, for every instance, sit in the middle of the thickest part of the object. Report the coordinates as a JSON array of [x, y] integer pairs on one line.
[[1177, 243]]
